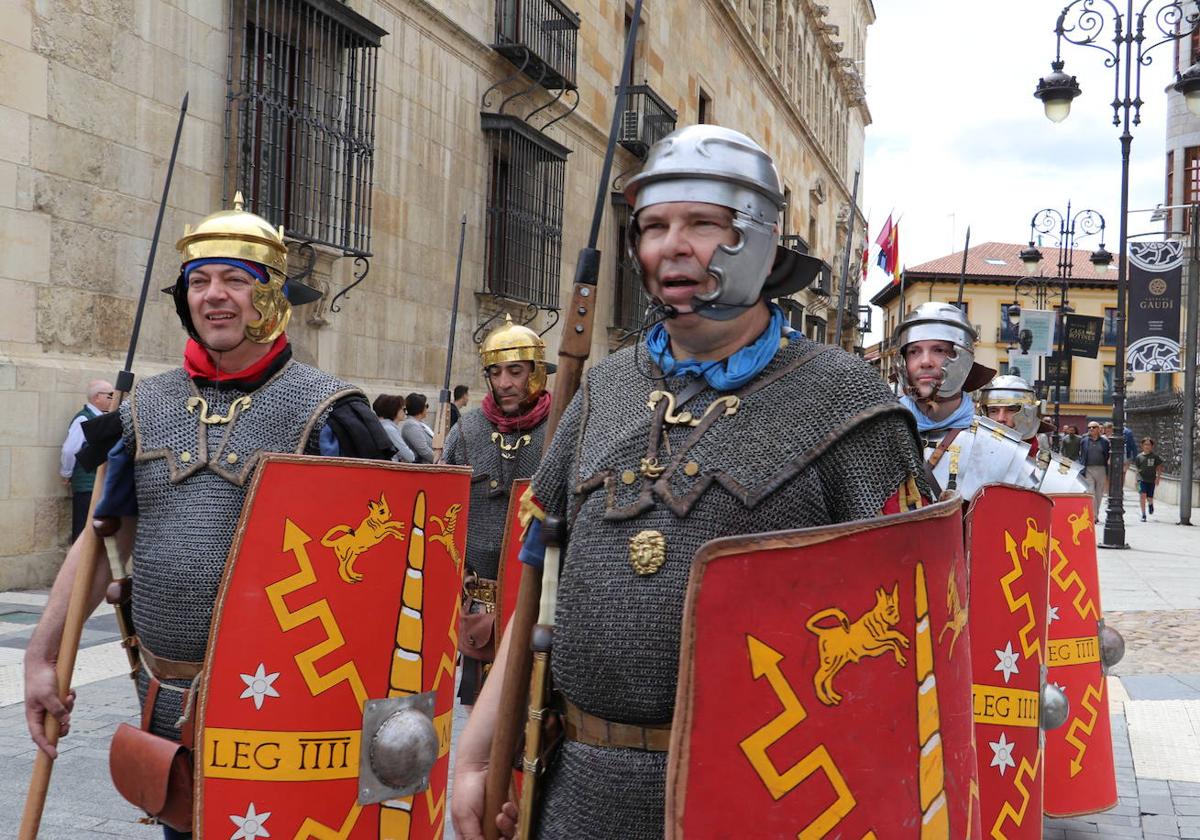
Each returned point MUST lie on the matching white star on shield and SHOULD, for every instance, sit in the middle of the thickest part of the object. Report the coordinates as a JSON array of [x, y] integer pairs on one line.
[[258, 685], [1007, 663], [249, 826], [1002, 753], [1051, 615]]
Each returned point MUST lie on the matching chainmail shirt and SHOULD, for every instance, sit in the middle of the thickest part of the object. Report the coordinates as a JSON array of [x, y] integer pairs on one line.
[[496, 459], [191, 479], [816, 439]]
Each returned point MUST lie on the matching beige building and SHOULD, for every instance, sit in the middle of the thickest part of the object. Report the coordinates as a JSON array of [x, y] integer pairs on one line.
[[993, 268], [368, 129]]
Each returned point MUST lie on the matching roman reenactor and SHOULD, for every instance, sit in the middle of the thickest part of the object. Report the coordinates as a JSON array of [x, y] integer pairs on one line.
[[963, 450], [182, 452], [502, 440], [988, 461], [720, 421], [1010, 400]]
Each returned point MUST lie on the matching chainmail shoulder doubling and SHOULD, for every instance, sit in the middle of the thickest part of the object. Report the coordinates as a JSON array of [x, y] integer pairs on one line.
[[191, 479], [496, 463], [815, 439]]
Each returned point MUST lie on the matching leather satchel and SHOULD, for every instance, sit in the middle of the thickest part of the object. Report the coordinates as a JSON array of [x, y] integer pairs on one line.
[[476, 633], [152, 772]]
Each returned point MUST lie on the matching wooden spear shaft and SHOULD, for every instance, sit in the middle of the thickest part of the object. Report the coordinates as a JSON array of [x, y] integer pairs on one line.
[[572, 355], [81, 587]]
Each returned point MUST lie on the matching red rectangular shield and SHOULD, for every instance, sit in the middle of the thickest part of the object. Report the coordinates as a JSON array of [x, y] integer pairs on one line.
[[1007, 537], [508, 578], [824, 685], [1081, 776], [342, 586]]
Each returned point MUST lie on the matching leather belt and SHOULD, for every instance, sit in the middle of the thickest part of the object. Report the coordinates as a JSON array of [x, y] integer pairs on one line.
[[481, 589], [169, 669], [580, 726]]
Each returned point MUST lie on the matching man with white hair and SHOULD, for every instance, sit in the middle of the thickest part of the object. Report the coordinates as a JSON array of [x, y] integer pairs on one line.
[[80, 480], [720, 421]]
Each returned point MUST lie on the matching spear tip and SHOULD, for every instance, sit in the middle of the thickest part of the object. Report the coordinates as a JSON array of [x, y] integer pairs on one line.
[[183, 105]]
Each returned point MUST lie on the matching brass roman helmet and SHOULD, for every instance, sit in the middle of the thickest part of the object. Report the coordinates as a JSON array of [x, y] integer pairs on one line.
[[240, 235], [516, 343]]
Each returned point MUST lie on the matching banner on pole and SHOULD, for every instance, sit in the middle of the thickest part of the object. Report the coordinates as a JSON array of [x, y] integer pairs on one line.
[[1083, 335], [1155, 282], [1023, 365], [1039, 322]]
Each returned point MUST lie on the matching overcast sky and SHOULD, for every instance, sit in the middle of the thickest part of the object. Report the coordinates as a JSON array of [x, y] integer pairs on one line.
[[957, 138]]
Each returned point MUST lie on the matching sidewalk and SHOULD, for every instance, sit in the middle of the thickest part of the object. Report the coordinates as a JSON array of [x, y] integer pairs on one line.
[[1151, 593]]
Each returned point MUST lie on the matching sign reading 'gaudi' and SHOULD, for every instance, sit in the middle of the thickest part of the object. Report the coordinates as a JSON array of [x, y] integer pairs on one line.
[[1155, 271]]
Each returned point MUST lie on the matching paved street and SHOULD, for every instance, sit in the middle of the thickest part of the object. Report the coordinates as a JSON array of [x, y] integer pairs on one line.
[[1151, 593]]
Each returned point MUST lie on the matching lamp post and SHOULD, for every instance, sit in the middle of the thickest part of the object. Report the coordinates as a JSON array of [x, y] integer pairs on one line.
[[1065, 229], [1135, 34]]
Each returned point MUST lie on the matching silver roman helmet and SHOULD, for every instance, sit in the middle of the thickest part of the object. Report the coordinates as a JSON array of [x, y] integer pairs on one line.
[[935, 321], [716, 165], [1014, 391]]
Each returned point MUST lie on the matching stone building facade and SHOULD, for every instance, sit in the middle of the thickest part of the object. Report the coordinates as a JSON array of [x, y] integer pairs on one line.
[[368, 129]]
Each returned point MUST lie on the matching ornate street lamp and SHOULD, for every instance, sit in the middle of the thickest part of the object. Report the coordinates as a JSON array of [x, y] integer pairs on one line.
[[1134, 35], [1065, 229]]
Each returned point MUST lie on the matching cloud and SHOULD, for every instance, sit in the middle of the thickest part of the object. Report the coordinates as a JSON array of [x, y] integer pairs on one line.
[[958, 138]]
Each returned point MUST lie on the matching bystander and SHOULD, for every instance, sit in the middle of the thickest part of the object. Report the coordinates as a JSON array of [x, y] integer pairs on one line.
[[1093, 454], [80, 480], [1149, 466], [415, 430]]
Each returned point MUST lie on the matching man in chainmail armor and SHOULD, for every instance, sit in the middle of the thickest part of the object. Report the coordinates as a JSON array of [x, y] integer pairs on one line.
[[182, 453], [502, 440], [721, 421]]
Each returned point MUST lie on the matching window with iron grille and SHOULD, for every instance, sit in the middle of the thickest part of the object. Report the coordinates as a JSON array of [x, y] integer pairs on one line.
[[540, 38], [629, 300], [526, 174], [300, 117]]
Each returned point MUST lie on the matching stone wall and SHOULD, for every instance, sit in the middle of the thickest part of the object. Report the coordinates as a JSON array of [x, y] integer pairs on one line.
[[88, 110]]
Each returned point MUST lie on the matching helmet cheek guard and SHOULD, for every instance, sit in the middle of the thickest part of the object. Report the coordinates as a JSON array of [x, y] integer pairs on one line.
[[955, 372], [274, 311], [739, 269]]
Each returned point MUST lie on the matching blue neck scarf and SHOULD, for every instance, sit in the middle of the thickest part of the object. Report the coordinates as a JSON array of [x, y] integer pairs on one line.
[[960, 419], [727, 374]]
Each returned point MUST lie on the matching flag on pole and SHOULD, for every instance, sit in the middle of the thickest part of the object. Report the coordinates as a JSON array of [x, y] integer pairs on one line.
[[889, 249]]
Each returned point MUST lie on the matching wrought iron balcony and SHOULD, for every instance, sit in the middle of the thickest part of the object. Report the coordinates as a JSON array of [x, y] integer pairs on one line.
[[646, 120], [540, 37]]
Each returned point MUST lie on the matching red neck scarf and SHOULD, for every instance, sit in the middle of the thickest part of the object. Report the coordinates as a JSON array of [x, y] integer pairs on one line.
[[510, 423], [199, 365]]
